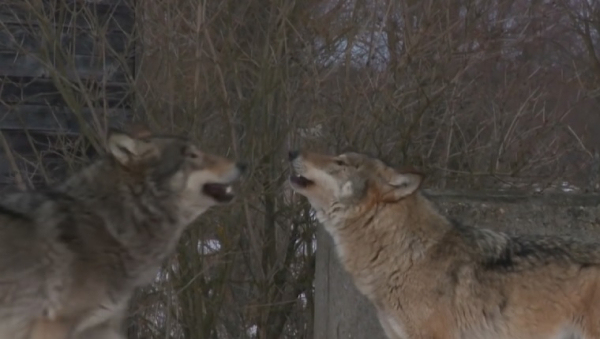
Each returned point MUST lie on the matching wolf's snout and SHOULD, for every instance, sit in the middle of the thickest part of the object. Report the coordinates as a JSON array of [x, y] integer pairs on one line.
[[292, 155], [296, 179], [241, 166]]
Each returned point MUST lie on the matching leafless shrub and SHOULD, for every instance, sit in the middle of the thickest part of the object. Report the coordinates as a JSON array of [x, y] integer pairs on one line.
[[479, 93]]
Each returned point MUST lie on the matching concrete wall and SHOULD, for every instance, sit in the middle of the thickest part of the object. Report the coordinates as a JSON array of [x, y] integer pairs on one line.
[[342, 312]]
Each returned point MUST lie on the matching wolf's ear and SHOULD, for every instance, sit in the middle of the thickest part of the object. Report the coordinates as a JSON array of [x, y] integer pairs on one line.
[[125, 148], [402, 184]]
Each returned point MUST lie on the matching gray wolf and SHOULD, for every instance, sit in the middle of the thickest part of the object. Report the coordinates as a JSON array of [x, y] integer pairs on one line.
[[72, 255], [430, 277]]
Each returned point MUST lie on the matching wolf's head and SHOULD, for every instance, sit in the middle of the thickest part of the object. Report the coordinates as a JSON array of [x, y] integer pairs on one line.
[[349, 179], [176, 169]]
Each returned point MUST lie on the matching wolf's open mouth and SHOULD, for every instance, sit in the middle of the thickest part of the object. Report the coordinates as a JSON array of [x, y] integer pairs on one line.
[[220, 192], [300, 181]]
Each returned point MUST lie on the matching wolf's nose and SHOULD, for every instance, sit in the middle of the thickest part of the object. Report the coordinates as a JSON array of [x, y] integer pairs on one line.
[[293, 155], [242, 167]]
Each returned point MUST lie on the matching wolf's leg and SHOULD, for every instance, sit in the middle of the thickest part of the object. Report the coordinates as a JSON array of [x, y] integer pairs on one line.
[[100, 332], [110, 329], [49, 329], [103, 323], [392, 327]]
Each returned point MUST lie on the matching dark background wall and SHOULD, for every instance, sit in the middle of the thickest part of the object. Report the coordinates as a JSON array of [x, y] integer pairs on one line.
[[45, 66]]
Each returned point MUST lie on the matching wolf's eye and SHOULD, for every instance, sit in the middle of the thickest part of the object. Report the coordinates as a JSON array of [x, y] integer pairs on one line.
[[191, 154], [340, 162], [187, 152]]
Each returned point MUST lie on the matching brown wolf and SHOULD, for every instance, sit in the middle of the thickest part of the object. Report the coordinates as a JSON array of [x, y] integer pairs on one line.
[[72, 255], [432, 278]]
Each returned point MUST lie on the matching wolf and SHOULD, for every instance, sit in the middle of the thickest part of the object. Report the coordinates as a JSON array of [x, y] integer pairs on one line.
[[72, 255], [430, 277]]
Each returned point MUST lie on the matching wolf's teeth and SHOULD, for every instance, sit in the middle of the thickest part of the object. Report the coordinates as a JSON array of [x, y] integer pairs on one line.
[[228, 189]]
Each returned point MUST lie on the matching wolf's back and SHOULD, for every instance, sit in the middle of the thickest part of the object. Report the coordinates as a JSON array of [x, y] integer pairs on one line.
[[500, 251]]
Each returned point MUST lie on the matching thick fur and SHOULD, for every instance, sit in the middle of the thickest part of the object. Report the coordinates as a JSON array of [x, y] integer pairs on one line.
[[72, 255], [432, 278]]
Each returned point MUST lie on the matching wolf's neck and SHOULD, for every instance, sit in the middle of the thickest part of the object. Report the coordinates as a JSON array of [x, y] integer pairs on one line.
[[140, 221], [89, 182], [393, 236]]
